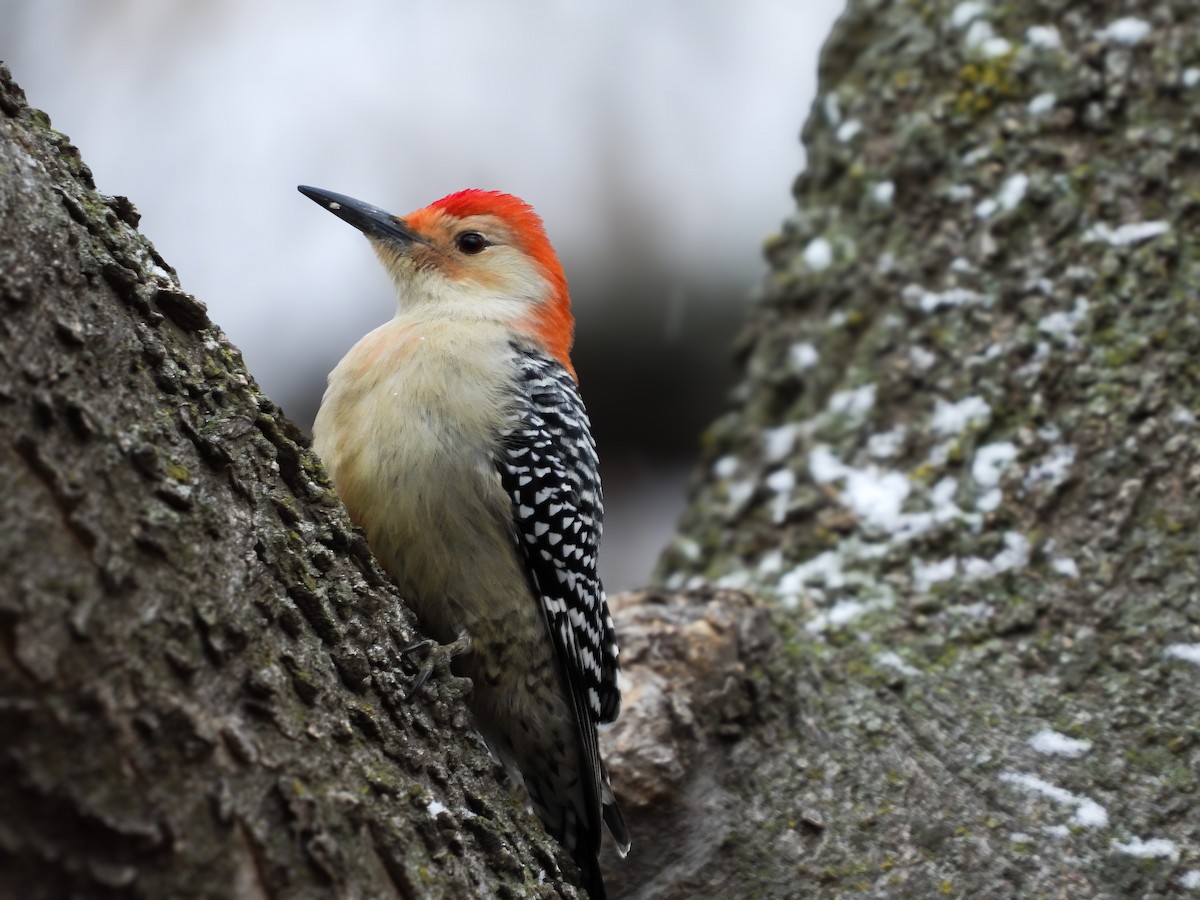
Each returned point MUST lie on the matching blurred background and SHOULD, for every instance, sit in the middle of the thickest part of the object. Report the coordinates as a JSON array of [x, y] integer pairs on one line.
[[657, 140]]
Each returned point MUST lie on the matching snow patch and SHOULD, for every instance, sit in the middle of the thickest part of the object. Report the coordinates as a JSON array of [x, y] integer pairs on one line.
[[874, 495], [921, 357], [1042, 104], [436, 808], [989, 500], [1052, 743], [1191, 77], [827, 572], [1015, 555], [1091, 814], [740, 492], [894, 660], [824, 466], [855, 403], [803, 356], [849, 130], [1190, 880], [925, 575], [990, 460], [967, 12], [1053, 469], [1088, 813], [978, 34], [1126, 32], [782, 482], [1063, 324], [954, 418], [688, 548], [1012, 191], [976, 155], [1049, 433], [885, 444], [877, 496], [1044, 36], [771, 564], [979, 611], [883, 193], [1065, 566], [779, 442], [734, 581], [818, 255], [931, 301], [845, 611], [942, 497], [824, 568], [1155, 848], [1186, 652], [1133, 233], [725, 467], [994, 47], [833, 110]]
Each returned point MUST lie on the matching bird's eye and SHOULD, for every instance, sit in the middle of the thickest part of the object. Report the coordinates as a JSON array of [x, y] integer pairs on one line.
[[471, 242]]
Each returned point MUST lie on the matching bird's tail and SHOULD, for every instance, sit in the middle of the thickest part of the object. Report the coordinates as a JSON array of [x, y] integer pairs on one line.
[[586, 859], [614, 820], [593, 882]]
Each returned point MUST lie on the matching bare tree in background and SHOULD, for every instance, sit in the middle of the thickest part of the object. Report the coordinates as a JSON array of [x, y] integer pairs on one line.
[[930, 625]]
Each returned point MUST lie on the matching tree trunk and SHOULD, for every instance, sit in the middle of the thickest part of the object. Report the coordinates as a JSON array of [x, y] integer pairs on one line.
[[200, 690], [961, 474]]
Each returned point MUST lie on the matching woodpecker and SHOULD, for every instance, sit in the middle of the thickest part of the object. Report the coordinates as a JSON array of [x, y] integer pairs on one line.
[[457, 439]]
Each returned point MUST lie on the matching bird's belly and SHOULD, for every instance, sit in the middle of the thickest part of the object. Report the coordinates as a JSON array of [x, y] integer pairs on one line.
[[419, 479]]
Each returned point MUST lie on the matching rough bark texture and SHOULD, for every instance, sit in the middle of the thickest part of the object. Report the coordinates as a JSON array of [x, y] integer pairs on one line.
[[963, 469], [200, 690]]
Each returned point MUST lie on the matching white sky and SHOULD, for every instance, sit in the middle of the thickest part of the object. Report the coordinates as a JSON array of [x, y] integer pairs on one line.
[[662, 130]]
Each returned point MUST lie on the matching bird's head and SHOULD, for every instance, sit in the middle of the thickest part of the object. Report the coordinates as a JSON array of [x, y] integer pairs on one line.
[[474, 255]]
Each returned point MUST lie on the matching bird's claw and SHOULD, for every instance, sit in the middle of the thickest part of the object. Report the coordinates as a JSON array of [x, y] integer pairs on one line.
[[437, 656]]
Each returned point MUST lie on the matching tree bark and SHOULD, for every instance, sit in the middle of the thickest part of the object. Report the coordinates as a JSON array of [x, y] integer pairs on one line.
[[961, 475], [200, 689]]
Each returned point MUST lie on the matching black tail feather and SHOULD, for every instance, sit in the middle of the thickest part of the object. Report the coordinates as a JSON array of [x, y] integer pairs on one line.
[[617, 827], [593, 882]]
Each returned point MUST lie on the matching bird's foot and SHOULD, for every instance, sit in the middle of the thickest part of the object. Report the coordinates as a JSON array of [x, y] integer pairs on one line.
[[437, 656]]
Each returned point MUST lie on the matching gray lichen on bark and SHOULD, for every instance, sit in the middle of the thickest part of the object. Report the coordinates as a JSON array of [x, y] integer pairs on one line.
[[963, 467]]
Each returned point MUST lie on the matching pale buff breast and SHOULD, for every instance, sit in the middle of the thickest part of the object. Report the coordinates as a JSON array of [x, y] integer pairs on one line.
[[406, 429]]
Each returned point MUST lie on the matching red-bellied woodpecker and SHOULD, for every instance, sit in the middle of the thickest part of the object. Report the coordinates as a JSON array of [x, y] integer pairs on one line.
[[457, 439]]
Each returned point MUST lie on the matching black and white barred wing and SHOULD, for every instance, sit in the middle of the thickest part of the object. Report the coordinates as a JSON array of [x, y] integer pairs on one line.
[[549, 468]]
